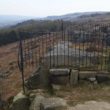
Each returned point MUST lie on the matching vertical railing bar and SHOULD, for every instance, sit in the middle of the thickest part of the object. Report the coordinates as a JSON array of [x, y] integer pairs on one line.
[[68, 46], [46, 37], [39, 48], [53, 50], [86, 47], [64, 46], [62, 40], [33, 46], [96, 47], [27, 53], [21, 60], [42, 49], [101, 47], [25, 60], [91, 52], [83, 45], [57, 34], [106, 50], [36, 50], [44, 44], [31, 50], [71, 49], [93, 44], [79, 49], [75, 56], [50, 47]]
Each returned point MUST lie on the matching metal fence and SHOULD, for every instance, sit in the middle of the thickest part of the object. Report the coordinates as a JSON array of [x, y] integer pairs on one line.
[[79, 46], [84, 47]]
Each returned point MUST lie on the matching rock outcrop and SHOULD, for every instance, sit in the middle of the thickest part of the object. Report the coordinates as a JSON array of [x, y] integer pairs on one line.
[[35, 105], [20, 102]]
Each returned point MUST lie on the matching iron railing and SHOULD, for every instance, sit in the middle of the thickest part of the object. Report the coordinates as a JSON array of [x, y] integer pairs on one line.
[[83, 47], [78, 46]]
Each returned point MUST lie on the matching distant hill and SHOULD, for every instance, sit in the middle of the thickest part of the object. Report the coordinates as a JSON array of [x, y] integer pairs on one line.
[[8, 20], [84, 16], [93, 17]]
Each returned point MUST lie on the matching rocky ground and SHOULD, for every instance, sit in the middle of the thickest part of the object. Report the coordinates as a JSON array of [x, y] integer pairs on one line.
[[83, 95], [42, 100]]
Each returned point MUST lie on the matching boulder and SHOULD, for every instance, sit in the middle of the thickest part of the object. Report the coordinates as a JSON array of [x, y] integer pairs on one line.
[[59, 76], [35, 105], [19, 96], [20, 102], [53, 104], [102, 77], [59, 72], [33, 82], [87, 74], [39, 79], [2, 104], [74, 77], [93, 80], [56, 87]]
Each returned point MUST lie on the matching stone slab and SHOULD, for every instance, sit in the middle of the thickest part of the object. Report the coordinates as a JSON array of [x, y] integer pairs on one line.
[[59, 72], [35, 105], [87, 74], [53, 104], [74, 77], [59, 76]]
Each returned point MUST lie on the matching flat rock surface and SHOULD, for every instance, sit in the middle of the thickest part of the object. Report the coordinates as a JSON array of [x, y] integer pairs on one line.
[[91, 105], [53, 104], [59, 71]]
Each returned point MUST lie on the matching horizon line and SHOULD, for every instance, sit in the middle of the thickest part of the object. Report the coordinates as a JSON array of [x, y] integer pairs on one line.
[[55, 14]]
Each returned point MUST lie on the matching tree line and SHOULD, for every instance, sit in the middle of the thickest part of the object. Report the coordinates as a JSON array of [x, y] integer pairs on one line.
[[8, 35]]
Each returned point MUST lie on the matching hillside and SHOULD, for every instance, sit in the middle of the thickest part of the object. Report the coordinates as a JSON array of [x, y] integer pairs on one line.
[[50, 24], [102, 17], [9, 20]]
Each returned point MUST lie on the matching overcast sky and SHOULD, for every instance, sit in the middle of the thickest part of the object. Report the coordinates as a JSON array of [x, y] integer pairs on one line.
[[41, 8]]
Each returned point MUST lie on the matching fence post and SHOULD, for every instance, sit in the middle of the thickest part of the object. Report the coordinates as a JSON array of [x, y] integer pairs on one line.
[[21, 60]]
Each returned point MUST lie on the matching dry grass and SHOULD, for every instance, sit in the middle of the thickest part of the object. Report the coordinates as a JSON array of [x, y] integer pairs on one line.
[[11, 84], [84, 92], [8, 63]]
